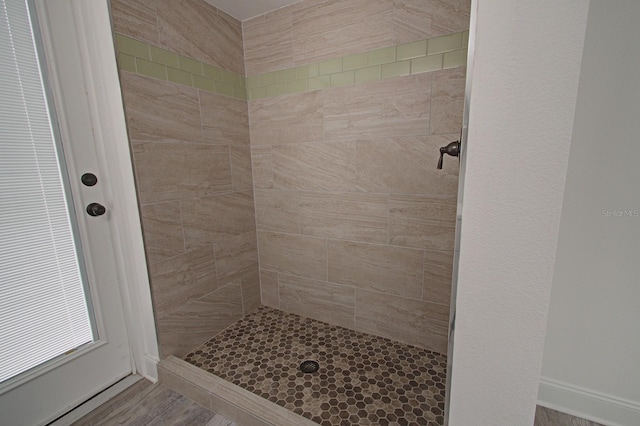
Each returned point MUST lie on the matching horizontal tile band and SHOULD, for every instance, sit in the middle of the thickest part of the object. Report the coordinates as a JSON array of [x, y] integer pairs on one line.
[[449, 51], [148, 60]]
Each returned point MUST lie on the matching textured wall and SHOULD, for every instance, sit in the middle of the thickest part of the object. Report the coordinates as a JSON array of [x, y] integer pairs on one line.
[[524, 86], [592, 345], [355, 224], [192, 162]]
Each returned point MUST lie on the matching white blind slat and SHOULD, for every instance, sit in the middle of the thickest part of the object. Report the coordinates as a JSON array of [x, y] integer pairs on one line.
[[43, 310]]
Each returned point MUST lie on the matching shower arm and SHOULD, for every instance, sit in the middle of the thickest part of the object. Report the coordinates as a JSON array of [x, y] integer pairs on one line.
[[453, 149]]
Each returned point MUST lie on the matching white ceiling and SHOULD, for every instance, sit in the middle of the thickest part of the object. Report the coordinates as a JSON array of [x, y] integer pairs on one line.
[[245, 9]]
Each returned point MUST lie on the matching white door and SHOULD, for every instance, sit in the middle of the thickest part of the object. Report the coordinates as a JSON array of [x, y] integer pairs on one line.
[[46, 391]]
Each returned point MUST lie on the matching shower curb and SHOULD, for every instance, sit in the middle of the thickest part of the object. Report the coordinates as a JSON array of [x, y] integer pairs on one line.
[[225, 398]]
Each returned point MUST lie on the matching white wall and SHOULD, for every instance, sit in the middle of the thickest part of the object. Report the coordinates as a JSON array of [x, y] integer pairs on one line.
[[591, 363], [525, 80]]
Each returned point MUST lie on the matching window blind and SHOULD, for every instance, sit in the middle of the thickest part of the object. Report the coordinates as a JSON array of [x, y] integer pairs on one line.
[[43, 311]]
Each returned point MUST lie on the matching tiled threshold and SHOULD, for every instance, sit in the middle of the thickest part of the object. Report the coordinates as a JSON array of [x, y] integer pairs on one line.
[[225, 398], [249, 373]]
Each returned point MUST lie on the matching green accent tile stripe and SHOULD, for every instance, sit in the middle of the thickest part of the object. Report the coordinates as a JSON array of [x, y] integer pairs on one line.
[[343, 79], [179, 76], [320, 82], [190, 65], [369, 74], [455, 59], [212, 72], [412, 50], [445, 44], [426, 64], [132, 47], [449, 51], [354, 62], [161, 56], [396, 69], [151, 69], [331, 66], [203, 83], [290, 74], [127, 62], [142, 58], [382, 56]]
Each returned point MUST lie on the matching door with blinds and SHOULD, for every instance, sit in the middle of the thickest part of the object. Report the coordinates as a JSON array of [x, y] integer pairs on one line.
[[62, 332]]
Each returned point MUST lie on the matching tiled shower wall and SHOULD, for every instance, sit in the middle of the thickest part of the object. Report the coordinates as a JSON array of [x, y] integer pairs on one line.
[[355, 224], [192, 162]]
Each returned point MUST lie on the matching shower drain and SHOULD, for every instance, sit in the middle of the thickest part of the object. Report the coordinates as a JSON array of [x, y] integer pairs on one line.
[[309, 366]]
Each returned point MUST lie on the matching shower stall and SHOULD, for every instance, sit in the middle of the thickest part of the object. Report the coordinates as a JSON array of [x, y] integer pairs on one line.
[[291, 205]]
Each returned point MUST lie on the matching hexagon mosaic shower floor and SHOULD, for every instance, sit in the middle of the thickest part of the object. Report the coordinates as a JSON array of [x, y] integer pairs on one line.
[[362, 379]]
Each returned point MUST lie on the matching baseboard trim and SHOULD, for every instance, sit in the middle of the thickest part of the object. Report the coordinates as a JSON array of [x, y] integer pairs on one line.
[[93, 403], [148, 368], [588, 404]]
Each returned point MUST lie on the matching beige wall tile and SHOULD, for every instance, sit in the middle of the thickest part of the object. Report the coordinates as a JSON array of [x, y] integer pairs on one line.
[[451, 16], [319, 300], [416, 19], [380, 108], [392, 270], [410, 321], [241, 175], [268, 42], [225, 121], [326, 166], [447, 101], [250, 291], [324, 30], [293, 255], [236, 257], [207, 220], [438, 269], [427, 222], [277, 211], [287, 119], [196, 322], [135, 19], [163, 235], [187, 27], [184, 387], [173, 171], [182, 279], [269, 293], [262, 163], [406, 165], [160, 111], [350, 216]]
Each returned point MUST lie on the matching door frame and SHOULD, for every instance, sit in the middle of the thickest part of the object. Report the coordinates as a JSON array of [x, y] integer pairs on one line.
[[92, 22], [461, 179]]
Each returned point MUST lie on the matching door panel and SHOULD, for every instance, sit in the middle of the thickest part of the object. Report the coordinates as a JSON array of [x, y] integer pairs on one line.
[[51, 390]]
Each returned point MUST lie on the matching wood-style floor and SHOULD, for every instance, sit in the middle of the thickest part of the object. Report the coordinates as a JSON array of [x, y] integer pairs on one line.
[[146, 403], [548, 417]]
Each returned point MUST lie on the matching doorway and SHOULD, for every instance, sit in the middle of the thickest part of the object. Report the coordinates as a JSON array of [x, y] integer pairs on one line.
[[53, 55]]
